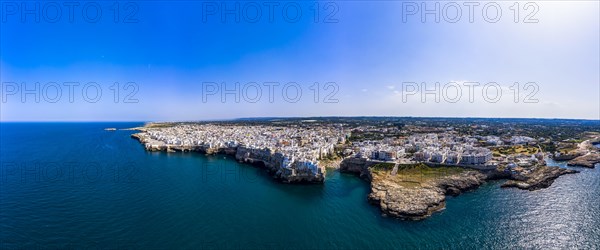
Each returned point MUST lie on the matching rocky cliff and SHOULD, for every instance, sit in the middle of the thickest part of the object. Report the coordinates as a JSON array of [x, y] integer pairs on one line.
[[272, 161], [538, 178], [588, 161], [357, 166], [415, 191]]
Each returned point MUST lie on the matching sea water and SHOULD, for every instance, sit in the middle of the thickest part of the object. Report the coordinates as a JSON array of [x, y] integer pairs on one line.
[[75, 185]]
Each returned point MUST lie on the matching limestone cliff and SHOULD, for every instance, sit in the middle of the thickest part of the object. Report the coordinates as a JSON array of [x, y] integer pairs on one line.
[[415, 191]]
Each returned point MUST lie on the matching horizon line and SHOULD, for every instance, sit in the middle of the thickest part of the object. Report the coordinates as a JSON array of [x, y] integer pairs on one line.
[[297, 117]]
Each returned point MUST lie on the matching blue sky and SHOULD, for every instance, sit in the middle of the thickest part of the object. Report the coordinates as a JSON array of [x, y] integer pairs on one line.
[[364, 52]]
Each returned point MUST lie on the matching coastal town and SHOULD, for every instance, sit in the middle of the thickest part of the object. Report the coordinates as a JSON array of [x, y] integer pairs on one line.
[[291, 152], [422, 160]]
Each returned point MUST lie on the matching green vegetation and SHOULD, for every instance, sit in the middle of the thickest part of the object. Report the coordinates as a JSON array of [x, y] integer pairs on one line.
[[161, 125], [548, 147], [372, 135], [384, 166], [413, 175], [518, 149], [567, 147]]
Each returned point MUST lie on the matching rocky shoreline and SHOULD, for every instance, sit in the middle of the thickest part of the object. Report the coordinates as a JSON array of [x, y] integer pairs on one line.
[[588, 161], [419, 202], [417, 191], [273, 162], [588, 154], [540, 178], [412, 191]]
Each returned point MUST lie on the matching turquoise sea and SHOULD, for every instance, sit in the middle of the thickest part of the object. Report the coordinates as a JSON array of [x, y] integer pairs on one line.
[[74, 185]]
